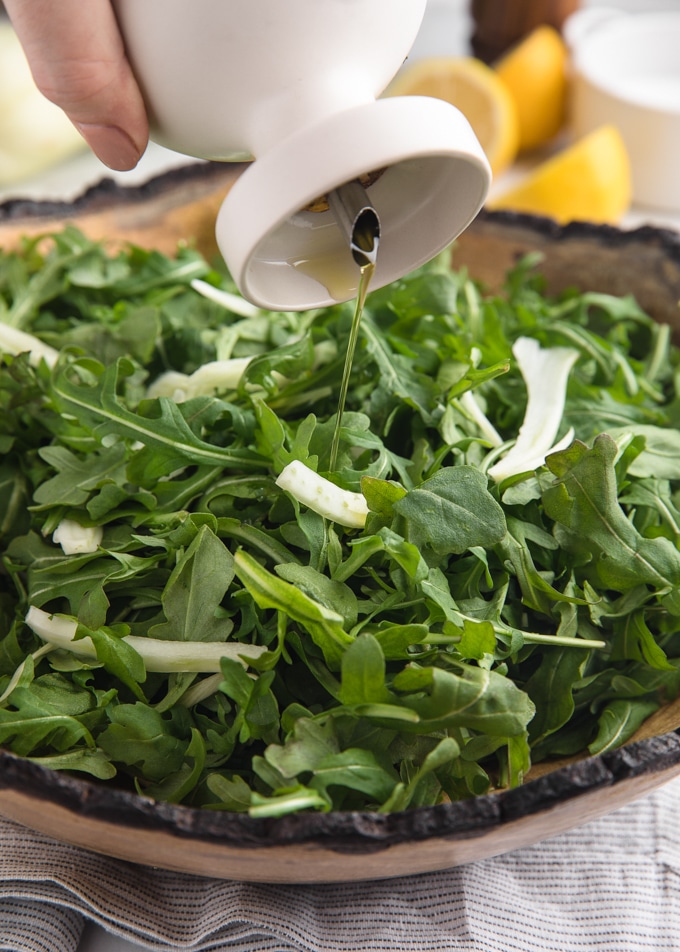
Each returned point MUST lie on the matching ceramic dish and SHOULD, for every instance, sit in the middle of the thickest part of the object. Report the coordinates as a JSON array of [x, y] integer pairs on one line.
[[626, 71], [354, 846]]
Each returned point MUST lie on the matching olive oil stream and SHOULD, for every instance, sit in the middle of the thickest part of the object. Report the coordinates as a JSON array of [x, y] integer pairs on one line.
[[365, 240]]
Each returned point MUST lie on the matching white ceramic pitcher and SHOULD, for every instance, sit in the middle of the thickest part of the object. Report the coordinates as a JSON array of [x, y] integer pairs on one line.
[[295, 85]]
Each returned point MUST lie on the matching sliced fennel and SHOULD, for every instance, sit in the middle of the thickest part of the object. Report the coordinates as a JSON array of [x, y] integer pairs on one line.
[[14, 341], [545, 372], [322, 496], [157, 655]]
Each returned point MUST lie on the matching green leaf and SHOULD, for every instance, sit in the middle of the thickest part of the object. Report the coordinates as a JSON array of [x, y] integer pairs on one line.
[[11, 651], [308, 744], [381, 495], [44, 711], [52, 575], [272, 437], [655, 495], [661, 456], [237, 684], [77, 478], [537, 593], [452, 512], [404, 553], [551, 688], [14, 519], [403, 795], [477, 640], [232, 793], [355, 769], [118, 657], [194, 592], [26, 734], [635, 641], [363, 673], [325, 626], [80, 759], [584, 499], [147, 741], [288, 360], [90, 392], [469, 697], [290, 801], [258, 713], [335, 595], [618, 722], [395, 640], [178, 786], [396, 374]]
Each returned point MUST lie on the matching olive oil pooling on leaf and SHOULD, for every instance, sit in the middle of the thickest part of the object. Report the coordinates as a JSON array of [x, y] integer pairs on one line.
[[359, 221]]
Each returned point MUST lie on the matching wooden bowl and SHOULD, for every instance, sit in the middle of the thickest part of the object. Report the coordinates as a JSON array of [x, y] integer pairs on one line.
[[340, 847]]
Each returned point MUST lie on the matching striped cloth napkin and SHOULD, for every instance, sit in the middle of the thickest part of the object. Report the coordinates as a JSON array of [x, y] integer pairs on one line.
[[610, 886]]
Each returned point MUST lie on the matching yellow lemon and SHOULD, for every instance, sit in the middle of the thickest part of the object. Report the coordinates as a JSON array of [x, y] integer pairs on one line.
[[535, 73], [475, 89], [588, 181]]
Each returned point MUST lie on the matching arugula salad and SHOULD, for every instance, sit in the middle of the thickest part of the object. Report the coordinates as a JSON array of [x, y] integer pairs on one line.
[[193, 606]]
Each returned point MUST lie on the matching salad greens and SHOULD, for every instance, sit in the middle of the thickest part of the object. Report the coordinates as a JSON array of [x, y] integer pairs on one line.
[[178, 616]]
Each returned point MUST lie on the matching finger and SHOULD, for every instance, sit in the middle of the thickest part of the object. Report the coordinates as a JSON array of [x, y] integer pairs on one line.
[[78, 61]]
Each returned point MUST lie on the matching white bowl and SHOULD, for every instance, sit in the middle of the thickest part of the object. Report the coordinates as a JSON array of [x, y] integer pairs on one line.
[[626, 72]]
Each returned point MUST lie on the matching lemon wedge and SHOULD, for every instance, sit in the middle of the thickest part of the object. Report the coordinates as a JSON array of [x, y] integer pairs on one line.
[[475, 89], [535, 73], [587, 181]]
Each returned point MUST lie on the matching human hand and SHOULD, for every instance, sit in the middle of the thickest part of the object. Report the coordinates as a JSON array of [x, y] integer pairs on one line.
[[78, 61]]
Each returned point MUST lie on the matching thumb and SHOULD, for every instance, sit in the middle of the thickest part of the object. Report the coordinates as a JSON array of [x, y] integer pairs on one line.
[[78, 61]]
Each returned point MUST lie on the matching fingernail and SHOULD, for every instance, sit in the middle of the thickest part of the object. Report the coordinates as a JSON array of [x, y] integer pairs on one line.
[[111, 145]]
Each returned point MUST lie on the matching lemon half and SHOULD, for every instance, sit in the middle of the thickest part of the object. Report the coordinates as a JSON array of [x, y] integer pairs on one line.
[[479, 93], [535, 73]]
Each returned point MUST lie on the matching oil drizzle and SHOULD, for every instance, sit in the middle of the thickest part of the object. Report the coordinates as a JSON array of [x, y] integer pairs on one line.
[[364, 244]]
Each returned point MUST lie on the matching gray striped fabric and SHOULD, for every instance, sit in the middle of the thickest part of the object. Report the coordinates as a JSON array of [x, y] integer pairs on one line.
[[610, 886]]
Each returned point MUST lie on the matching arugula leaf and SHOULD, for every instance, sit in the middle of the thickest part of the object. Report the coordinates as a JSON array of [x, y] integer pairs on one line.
[[323, 624], [90, 392], [194, 592], [363, 673], [452, 511], [468, 696], [355, 769], [584, 499], [618, 722], [143, 740], [551, 689]]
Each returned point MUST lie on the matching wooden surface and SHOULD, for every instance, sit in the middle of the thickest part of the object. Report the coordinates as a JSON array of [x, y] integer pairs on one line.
[[180, 206], [645, 261]]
